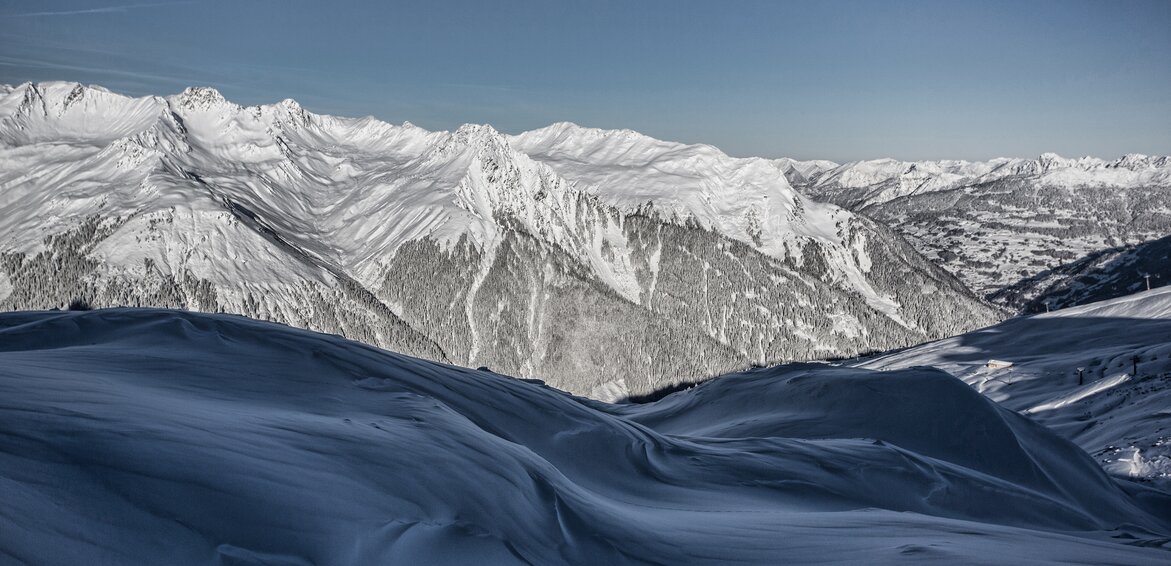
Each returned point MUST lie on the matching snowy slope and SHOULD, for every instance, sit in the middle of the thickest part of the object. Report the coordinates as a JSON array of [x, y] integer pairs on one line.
[[1121, 417], [456, 246], [744, 199], [322, 182], [1000, 223], [138, 436]]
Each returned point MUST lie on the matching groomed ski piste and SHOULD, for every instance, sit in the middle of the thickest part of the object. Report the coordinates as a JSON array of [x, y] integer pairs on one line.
[[134, 436]]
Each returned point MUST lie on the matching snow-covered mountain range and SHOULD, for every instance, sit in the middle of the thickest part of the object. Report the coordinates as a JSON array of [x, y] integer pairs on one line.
[[1006, 222], [154, 436], [864, 184], [594, 256]]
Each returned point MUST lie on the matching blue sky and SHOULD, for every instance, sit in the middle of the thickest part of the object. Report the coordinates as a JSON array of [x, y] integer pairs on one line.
[[837, 80]]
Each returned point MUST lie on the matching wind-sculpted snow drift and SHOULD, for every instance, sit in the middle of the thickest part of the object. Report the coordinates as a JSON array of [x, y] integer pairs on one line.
[[591, 256], [142, 436], [1118, 409]]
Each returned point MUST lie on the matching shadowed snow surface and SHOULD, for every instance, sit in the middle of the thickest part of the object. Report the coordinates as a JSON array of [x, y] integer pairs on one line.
[[141, 436], [1120, 412]]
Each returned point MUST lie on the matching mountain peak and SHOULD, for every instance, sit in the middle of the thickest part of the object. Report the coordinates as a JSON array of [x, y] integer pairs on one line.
[[567, 131], [202, 98], [478, 137], [289, 104], [71, 111], [476, 130], [1051, 160]]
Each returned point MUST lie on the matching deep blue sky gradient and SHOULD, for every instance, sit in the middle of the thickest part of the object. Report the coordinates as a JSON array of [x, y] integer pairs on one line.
[[837, 80]]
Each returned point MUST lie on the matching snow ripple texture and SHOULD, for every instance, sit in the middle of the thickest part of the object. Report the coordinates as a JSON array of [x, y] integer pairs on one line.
[[150, 436]]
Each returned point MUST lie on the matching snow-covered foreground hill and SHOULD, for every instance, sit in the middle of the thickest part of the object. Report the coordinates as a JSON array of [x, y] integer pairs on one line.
[[146, 436], [1007, 223], [1120, 412], [592, 256]]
